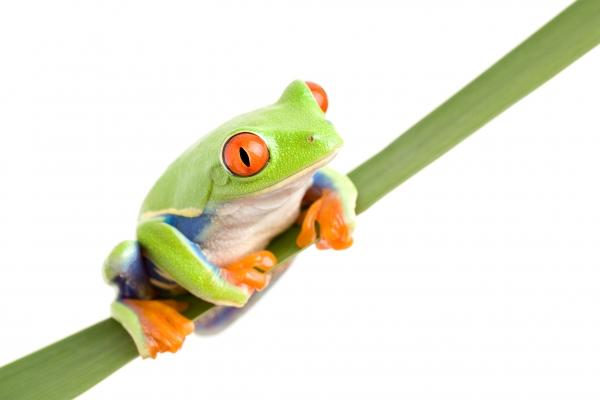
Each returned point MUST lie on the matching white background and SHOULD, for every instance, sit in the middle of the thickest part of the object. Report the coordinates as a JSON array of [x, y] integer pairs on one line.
[[478, 278]]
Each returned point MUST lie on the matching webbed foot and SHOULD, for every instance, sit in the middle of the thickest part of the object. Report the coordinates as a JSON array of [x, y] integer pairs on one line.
[[155, 325], [334, 230], [252, 270]]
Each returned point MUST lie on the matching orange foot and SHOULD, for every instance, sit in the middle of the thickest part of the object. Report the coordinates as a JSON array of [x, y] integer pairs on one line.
[[163, 326], [334, 231], [252, 270]]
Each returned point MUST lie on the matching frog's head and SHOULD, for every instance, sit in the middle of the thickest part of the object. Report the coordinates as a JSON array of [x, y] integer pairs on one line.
[[265, 148], [250, 154]]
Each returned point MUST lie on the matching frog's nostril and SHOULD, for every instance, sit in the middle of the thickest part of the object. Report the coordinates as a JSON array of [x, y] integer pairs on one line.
[[310, 138]]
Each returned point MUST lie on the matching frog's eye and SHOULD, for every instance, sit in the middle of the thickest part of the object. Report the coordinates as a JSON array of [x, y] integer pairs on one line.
[[319, 95], [245, 154]]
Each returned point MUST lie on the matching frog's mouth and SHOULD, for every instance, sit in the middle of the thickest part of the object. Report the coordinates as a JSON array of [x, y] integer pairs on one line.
[[298, 177]]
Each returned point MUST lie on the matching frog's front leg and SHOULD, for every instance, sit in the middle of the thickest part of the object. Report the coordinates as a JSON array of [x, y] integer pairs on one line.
[[185, 263], [329, 203]]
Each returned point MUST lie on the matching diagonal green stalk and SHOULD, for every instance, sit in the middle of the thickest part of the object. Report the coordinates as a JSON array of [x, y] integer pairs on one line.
[[73, 365], [563, 40]]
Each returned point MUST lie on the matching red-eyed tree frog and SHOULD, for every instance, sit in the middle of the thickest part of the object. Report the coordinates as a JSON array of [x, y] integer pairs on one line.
[[204, 226]]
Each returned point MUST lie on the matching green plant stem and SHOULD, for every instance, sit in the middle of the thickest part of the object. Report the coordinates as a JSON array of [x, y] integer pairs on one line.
[[73, 365], [563, 40]]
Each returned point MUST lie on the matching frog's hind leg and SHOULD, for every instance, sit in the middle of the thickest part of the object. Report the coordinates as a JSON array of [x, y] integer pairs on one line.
[[124, 267], [155, 325]]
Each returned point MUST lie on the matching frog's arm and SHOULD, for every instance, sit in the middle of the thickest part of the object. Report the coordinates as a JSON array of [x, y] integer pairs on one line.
[[185, 263], [328, 178], [331, 202]]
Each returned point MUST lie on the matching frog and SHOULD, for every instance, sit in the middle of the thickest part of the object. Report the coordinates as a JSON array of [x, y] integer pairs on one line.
[[204, 226]]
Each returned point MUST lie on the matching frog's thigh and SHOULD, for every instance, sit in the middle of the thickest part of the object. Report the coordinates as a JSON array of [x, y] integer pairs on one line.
[[124, 267]]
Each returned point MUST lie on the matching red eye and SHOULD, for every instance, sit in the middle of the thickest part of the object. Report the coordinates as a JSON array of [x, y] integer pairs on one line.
[[245, 154], [319, 95]]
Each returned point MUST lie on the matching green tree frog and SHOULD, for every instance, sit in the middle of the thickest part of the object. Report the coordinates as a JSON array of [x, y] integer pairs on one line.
[[204, 226]]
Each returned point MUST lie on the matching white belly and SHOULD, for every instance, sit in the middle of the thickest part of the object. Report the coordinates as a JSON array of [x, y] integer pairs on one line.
[[246, 225]]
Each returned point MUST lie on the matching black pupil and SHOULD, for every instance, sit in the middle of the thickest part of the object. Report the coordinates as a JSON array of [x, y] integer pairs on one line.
[[245, 157]]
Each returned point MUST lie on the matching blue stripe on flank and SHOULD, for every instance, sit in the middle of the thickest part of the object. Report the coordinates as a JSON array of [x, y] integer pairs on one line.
[[191, 228], [213, 268], [321, 180]]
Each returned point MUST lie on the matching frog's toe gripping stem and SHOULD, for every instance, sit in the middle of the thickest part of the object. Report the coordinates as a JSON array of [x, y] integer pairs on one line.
[[252, 270], [156, 326], [334, 233], [332, 201]]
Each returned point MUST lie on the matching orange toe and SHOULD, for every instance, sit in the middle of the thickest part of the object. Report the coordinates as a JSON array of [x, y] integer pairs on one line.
[[308, 230], [164, 327], [252, 270], [334, 232]]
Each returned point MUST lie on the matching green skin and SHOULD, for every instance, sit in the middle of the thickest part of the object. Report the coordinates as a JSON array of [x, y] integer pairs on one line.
[[300, 140]]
